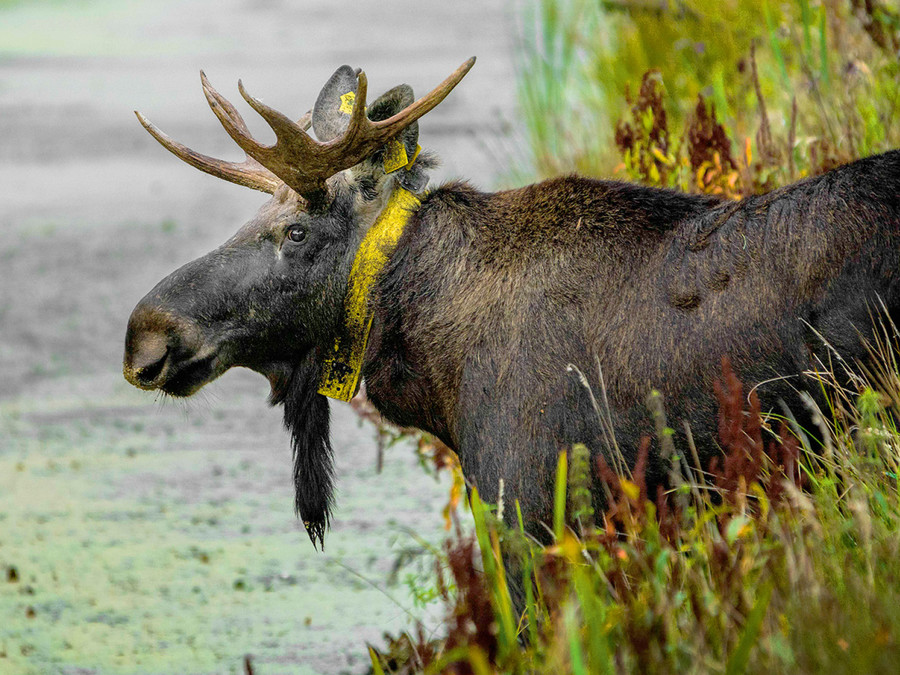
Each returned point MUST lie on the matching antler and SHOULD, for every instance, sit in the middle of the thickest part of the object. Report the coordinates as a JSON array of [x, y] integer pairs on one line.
[[248, 173], [296, 159], [303, 163]]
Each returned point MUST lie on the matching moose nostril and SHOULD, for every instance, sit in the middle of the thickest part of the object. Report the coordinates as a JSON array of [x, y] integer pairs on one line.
[[157, 343], [147, 358], [147, 374]]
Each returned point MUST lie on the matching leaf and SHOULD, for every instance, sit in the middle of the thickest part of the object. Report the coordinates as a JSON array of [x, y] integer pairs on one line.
[[737, 527], [376, 665], [631, 490]]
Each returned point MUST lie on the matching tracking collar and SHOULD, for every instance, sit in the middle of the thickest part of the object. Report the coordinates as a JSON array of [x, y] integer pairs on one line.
[[343, 363]]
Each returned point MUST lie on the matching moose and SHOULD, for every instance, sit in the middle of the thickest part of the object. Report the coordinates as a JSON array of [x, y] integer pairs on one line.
[[510, 325]]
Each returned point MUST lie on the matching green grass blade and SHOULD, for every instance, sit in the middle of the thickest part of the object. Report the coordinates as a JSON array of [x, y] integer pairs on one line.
[[527, 571], [740, 657], [481, 533], [493, 573], [824, 69], [594, 618], [576, 656], [806, 20], [776, 44], [559, 505]]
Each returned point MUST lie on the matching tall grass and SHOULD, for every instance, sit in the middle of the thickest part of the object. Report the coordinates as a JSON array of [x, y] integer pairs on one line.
[[780, 557], [827, 76]]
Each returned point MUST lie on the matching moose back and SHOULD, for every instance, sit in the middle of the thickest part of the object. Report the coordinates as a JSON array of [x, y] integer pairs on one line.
[[513, 324]]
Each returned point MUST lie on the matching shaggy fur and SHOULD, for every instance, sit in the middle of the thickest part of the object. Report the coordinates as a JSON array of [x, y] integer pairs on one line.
[[489, 297], [306, 416]]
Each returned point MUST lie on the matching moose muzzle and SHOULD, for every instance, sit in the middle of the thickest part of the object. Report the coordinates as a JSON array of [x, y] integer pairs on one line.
[[165, 351]]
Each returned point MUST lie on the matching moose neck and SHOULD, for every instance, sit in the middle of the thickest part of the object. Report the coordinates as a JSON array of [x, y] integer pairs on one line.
[[411, 380], [342, 366]]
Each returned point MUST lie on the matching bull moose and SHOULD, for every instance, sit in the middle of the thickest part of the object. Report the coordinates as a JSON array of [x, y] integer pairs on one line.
[[479, 317]]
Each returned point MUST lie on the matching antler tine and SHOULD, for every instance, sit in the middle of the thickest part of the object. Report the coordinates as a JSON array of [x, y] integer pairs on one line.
[[393, 125], [249, 173], [301, 162], [286, 130], [358, 119], [229, 109], [231, 120]]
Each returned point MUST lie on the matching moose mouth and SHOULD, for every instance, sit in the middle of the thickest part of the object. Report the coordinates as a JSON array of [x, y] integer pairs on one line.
[[186, 379], [166, 374], [163, 362], [169, 352]]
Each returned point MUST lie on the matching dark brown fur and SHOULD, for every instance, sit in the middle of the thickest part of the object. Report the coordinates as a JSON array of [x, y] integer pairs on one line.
[[489, 297]]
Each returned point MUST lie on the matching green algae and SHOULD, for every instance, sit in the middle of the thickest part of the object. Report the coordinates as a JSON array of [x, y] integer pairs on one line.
[[135, 553]]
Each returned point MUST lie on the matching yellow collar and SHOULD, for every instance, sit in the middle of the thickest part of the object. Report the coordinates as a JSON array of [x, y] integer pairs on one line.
[[341, 368]]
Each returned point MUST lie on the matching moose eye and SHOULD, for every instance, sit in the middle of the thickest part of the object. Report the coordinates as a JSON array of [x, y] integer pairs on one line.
[[297, 233]]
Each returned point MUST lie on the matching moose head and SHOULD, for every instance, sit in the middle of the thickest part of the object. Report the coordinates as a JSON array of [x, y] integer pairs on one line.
[[271, 297]]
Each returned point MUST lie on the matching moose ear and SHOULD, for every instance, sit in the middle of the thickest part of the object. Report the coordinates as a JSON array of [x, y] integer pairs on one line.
[[389, 104], [331, 113], [331, 117]]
